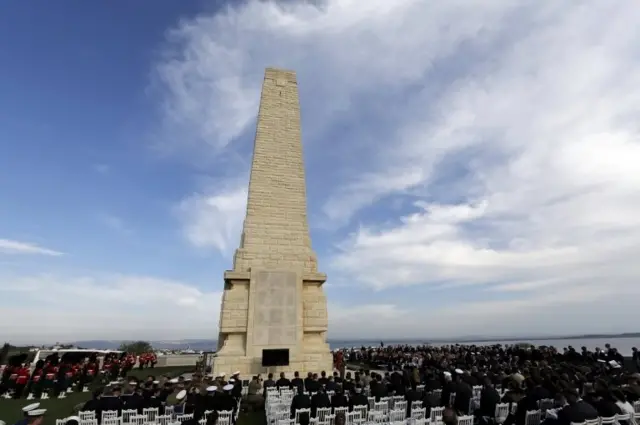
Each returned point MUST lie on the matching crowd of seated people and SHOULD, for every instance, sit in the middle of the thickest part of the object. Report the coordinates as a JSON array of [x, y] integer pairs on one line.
[[458, 381], [466, 381], [188, 399], [57, 374]]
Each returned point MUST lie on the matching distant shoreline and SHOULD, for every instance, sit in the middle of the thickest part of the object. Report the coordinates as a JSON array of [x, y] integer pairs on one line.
[[496, 339]]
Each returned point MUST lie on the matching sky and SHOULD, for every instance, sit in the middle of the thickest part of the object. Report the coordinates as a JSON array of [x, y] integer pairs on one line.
[[472, 166]]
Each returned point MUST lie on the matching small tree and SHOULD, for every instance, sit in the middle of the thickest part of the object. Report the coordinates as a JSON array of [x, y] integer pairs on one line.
[[4, 353], [136, 347]]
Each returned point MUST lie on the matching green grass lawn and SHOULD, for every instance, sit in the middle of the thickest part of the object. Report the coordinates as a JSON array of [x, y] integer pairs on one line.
[[11, 410]]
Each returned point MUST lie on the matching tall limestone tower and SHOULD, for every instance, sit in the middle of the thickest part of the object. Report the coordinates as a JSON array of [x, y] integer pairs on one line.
[[273, 297]]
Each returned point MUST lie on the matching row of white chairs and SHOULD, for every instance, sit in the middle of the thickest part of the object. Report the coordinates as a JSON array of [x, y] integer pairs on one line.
[[150, 416], [613, 420]]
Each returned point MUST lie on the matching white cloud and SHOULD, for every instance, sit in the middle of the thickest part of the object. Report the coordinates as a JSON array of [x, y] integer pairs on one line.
[[68, 308], [511, 126], [16, 247], [115, 223], [214, 219]]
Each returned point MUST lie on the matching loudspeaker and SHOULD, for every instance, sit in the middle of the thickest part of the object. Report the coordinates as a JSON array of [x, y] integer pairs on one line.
[[275, 357]]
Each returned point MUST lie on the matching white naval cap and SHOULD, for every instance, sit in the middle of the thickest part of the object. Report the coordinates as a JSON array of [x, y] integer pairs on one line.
[[3, 423], [37, 412], [237, 372], [232, 380], [30, 407], [447, 373], [156, 382], [182, 394], [459, 371], [212, 388], [614, 364], [222, 374], [228, 387], [173, 381], [133, 383]]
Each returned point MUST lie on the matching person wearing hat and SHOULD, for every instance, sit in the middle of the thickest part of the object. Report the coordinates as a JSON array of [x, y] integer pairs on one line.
[[72, 420], [25, 411], [237, 386], [225, 401], [136, 401], [36, 416]]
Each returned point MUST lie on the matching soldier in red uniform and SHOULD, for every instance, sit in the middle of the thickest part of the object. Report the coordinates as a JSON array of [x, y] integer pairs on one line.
[[35, 385], [153, 360], [22, 379]]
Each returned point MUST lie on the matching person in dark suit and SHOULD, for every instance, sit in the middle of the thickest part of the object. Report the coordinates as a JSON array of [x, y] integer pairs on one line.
[[464, 393], [323, 378], [576, 410], [357, 399], [411, 395], [378, 389], [447, 389], [283, 382], [308, 382], [489, 398], [297, 382], [320, 399], [348, 385], [94, 404], [339, 399], [268, 383], [112, 401], [311, 383], [429, 401], [226, 401], [135, 401], [300, 401]]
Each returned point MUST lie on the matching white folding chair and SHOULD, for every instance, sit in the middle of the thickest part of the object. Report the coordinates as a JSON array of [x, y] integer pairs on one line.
[[465, 420], [109, 414], [322, 413], [87, 415], [343, 410], [150, 413], [127, 414], [436, 414], [532, 417], [502, 411], [397, 415]]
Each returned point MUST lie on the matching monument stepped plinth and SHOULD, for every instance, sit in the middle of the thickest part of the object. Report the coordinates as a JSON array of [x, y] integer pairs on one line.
[[273, 297]]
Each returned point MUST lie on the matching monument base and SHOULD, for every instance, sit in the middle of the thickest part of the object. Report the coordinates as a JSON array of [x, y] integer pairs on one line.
[[250, 366]]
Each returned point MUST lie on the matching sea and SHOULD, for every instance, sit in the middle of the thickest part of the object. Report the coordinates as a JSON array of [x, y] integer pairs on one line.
[[624, 345]]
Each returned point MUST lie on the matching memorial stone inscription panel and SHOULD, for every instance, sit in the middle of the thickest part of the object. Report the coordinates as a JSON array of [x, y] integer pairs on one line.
[[275, 309]]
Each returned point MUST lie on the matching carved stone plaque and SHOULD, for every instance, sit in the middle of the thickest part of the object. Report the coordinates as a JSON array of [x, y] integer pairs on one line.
[[275, 309]]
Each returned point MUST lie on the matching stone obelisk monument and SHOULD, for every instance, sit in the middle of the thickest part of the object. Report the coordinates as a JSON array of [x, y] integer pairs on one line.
[[273, 297]]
